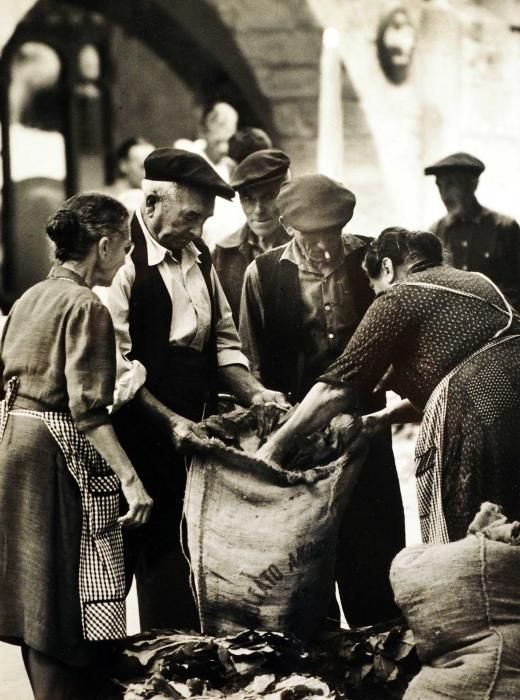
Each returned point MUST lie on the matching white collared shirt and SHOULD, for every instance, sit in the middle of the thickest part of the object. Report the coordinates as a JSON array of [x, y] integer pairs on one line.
[[191, 312]]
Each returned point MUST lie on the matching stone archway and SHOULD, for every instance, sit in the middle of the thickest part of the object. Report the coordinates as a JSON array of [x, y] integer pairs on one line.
[[269, 50], [189, 35]]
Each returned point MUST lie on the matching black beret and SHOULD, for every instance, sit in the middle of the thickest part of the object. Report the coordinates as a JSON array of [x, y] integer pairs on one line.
[[315, 202], [457, 161], [176, 165], [260, 168]]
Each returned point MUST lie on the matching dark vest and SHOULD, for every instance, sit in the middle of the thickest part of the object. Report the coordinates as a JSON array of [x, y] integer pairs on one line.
[[282, 335], [150, 316]]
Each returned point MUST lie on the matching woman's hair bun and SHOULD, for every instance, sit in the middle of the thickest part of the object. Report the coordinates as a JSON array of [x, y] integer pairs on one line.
[[63, 227]]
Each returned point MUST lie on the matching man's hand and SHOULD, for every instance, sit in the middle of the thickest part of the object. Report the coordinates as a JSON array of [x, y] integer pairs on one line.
[[181, 428], [268, 406]]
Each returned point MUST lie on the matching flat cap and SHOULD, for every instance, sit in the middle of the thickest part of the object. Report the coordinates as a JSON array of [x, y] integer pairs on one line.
[[457, 161], [260, 168], [176, 165], [315, 202]]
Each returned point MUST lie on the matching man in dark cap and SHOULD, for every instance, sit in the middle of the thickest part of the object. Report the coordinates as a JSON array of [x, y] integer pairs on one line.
[[246, 141], [301, 303], [478, 239], [176, 339], [257, 180]]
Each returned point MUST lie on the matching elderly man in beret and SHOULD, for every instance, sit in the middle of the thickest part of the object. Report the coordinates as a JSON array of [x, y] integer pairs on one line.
[[478, 239], [301, 303], [257, 179], [176, 340]]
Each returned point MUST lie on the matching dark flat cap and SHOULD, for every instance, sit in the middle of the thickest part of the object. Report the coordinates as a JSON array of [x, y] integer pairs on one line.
[[457, 161], [176, 165], [315, 202], [260, 168]]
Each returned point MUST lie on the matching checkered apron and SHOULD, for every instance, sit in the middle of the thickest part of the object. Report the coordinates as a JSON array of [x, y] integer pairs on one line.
[[101, 568], [429, 449]]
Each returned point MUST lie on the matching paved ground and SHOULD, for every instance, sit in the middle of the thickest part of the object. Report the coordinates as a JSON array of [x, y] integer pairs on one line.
[[13, 682]]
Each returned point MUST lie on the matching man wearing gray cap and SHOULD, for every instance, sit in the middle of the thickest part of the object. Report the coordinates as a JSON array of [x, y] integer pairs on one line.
[[175, 339], [257, 179], [301, 303], [477, 239]]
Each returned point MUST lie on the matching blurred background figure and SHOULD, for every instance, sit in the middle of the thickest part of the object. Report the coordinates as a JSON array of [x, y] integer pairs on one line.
[[246, 141], [477, 239], [130, 172], [218, 126], [37, 152], [257, 179]]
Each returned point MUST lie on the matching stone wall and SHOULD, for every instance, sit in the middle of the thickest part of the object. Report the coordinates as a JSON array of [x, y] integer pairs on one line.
[[282, 41], [138, 107]]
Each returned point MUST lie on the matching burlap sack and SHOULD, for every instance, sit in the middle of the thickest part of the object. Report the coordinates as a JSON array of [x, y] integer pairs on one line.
[[262, 540], [462, 602]]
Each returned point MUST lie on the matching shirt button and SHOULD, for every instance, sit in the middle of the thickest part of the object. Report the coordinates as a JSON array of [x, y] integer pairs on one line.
[[327, 307], [331, 335], [464, 244], [464, 267], [486, 254]]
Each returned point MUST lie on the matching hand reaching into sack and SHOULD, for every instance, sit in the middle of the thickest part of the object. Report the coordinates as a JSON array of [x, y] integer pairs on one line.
[[181, 428], [269, 406]]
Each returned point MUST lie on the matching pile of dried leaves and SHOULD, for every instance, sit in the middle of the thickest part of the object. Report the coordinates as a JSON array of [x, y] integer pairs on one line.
[[243, 430], [367, 664]]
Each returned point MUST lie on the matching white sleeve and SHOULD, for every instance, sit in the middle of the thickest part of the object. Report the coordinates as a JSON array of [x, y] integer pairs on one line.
[[229, 349], [131, 374]]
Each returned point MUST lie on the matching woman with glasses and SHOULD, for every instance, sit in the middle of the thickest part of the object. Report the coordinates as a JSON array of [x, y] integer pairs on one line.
[[62, 583]]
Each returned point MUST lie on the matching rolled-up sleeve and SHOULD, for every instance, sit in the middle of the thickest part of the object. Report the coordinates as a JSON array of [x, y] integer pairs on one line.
[[90, 365], [252, 319], [229, 348], [131, 374], [372, 348]]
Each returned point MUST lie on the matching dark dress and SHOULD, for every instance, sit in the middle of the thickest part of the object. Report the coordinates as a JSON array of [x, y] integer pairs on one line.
[[423, 334], [59, 342]]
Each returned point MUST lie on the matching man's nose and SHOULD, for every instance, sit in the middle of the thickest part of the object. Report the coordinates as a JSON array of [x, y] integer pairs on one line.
[[259, 206], [196, 230]]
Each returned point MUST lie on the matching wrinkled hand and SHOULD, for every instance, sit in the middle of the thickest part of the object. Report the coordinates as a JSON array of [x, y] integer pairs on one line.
[[182, 427], [269, 406], [139, 503], [373, 423]]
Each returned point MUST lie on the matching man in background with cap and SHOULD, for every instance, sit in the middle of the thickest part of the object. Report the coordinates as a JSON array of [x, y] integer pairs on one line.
[[246, 141], [477, 239], [257, 179], [176, 341], [301, 303]]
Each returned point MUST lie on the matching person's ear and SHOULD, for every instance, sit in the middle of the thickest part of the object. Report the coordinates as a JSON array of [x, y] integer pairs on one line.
[[388, 268], [103, 247], [150, 204]]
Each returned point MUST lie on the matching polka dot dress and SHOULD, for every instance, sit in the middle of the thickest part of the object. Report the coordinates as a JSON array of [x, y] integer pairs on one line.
[[423, 333]]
